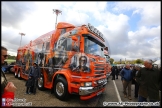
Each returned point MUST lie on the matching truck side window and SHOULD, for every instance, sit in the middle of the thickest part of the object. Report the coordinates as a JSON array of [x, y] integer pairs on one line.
[[69, 41], [76, 45], [63, 31], [65, 44]]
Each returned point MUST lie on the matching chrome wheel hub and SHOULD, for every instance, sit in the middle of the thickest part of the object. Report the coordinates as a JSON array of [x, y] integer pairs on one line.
[[60, 88]]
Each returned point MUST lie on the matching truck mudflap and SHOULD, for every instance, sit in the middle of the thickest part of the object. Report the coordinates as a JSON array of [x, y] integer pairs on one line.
[[89, 92]]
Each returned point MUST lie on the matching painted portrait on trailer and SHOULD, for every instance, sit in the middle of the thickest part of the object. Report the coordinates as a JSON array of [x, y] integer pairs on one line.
[[80, 63]]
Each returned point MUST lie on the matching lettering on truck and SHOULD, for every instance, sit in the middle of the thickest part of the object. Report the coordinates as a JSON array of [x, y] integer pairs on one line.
[[71, 60]]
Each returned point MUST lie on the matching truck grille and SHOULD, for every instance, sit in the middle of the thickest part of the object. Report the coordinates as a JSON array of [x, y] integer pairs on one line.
[[99, 70]]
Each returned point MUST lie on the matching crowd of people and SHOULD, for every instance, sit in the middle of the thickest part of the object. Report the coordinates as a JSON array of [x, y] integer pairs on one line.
[[146, 80]]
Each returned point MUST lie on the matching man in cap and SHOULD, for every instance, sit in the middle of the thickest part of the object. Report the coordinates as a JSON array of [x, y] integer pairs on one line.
[[35, 75]]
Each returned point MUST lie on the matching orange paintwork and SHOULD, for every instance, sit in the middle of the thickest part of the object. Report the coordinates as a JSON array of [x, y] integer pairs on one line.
[[50, 67]]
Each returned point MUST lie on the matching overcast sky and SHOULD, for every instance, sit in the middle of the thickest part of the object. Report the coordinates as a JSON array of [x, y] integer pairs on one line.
[[131, 29]]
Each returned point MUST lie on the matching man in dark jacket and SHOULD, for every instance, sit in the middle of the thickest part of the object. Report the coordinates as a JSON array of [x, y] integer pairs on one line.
[[127, 76], [117, 72], [149, 80], [113, 72], [35, 75]]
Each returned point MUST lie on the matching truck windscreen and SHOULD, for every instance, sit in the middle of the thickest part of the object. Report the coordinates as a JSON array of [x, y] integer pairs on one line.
[[93, 46]]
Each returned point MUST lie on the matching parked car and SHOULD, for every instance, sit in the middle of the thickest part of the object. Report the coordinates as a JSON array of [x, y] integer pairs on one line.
[[8, 68], [5, 67]]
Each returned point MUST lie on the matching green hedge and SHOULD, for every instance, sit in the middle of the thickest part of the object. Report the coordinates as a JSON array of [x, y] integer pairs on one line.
[[10, 60]]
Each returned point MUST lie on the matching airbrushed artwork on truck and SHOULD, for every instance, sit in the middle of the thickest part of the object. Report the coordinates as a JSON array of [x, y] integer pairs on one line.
[[27, 61], [55, 63], [30, 55], [80, 63]]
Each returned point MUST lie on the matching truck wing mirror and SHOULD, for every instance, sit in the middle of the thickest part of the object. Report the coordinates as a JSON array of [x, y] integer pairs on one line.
[[102, 49], [74, 38]]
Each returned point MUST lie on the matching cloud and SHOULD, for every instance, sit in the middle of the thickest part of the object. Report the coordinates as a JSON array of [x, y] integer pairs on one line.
[[149, 11], [15, 12], [111, 18]]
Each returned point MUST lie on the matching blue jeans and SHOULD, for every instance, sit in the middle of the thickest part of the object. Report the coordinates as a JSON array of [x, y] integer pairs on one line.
[[142, 99]]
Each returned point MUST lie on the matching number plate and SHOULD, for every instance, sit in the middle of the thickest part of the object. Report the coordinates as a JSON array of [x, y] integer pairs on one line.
[[99, 93]]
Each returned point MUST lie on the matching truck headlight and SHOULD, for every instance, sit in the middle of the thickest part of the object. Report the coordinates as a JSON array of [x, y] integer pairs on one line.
[[86, 84]]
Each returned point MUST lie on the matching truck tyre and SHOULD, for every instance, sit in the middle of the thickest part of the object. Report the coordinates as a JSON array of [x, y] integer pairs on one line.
[[41, 83], [15, 74], [18, 75], [61, 89], [11, 70]]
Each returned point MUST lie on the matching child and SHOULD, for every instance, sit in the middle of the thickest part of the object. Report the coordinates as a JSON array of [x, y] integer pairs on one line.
[[28, 84]]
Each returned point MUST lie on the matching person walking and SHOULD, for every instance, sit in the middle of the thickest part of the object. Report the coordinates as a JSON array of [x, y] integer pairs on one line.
[[35, 75], [29, 84], [126, 75], [113, 72], [116, 72], [149, 80], [136, 86], [7, 88]]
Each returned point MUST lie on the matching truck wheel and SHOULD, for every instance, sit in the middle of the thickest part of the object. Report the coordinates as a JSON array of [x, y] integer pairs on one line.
[[61, 89], [41, 83], [19, 76], [15, 74], [11, 70]]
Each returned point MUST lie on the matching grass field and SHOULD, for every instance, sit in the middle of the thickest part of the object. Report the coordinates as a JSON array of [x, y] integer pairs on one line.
[[10, 60]]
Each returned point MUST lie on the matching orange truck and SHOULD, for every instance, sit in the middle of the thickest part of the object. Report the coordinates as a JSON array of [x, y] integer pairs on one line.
[[71, 59]]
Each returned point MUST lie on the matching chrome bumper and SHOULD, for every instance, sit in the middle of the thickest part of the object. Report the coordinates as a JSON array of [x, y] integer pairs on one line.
[[89, 90]]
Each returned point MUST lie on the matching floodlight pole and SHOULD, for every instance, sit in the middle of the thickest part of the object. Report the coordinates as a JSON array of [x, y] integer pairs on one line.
[[57, 12], [22, 34]]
